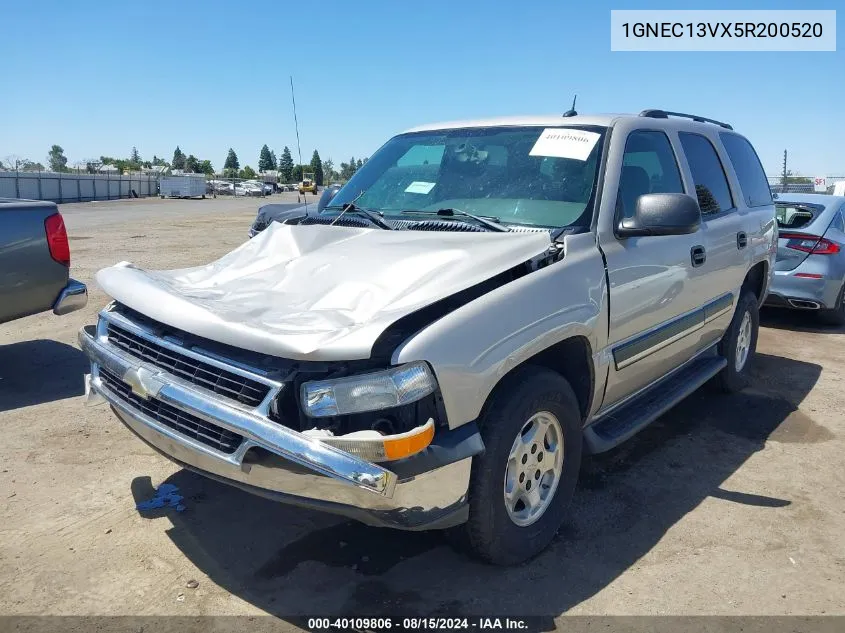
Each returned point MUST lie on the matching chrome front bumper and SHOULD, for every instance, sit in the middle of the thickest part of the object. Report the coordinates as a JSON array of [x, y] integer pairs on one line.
[[273, 460]]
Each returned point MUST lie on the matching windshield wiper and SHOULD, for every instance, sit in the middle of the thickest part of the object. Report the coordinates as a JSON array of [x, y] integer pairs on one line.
[[354, 208], [490, 223]]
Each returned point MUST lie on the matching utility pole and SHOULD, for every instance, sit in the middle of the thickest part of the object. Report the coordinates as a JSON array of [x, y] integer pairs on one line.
[[783, 181]]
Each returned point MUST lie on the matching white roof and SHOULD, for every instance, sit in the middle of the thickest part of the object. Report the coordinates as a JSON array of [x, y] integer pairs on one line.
[[540, 120]]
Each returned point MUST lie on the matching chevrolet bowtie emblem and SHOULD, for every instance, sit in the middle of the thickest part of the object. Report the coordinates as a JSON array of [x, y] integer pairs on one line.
[[142, 381]]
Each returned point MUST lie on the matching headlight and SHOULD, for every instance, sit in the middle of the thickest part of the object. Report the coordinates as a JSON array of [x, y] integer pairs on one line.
[[368, 392]]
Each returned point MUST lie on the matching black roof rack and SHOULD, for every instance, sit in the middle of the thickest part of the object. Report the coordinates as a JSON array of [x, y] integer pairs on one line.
[[665, 114]]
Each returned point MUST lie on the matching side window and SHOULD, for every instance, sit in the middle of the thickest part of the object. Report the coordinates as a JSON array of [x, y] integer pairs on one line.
[[749, 170], [838, 222], [648, 166], [711, 184]]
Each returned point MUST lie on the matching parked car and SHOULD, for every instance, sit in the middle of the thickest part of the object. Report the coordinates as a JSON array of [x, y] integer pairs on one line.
[[444, 341], [252, 189], [810, 265], [283, 212], [35, 261], [270, 213]]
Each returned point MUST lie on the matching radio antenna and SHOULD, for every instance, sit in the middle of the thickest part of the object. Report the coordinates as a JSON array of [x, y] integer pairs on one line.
[[298, 148], [571, 111]]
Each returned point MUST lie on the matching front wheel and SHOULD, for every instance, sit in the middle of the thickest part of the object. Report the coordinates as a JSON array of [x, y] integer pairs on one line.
[[739, 344], [521, 486]]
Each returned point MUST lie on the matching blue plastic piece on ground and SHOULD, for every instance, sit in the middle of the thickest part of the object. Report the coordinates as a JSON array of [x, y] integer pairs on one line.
[[165, 497]]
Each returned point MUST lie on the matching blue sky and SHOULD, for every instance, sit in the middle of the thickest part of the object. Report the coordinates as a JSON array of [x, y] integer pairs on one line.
[[98, 78]]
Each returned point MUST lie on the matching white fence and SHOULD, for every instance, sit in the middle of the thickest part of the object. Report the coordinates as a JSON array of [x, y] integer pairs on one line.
[[75, 187]]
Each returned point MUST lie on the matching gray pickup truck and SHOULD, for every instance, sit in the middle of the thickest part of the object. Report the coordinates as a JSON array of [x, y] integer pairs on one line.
[[35, 261], [480, 305]]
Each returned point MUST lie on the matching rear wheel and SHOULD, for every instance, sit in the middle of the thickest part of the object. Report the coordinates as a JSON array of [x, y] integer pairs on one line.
[[521, 486], [836, 315], [739, 344]]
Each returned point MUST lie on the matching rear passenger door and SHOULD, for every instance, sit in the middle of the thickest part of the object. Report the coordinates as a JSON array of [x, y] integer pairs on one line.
[[653, 286], [726, 244]]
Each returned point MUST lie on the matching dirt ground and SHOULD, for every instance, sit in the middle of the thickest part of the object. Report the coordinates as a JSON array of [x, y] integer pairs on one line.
[[727, 505]]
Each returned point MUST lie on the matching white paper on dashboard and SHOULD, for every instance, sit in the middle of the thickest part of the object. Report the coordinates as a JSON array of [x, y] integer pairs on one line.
[[565, 143], [420, 187]]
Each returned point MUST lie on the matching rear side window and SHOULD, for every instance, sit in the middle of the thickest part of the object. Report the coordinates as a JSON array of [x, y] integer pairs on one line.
[[838, 223], [648, 166], [795, 216], [711, 184], [749, 170]]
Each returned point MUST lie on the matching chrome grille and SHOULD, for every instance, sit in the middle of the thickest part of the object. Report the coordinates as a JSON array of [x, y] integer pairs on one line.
[[220, 381], [189, 425]]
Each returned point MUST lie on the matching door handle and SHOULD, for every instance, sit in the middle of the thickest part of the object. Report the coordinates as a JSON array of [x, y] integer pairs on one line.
[[698, 256], [741, 240]]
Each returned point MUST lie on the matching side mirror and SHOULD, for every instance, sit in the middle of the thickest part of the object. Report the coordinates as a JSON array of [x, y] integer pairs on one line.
[[662, 214], [328, 194]]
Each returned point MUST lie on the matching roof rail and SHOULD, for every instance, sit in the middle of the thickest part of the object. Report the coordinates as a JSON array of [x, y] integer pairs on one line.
[[665, 114]]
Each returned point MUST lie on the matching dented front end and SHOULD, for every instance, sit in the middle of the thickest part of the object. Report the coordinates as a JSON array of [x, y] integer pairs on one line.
[[349, 438]]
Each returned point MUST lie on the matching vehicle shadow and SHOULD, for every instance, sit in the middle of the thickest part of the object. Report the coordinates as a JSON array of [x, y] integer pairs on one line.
[[292, 563], [38, 371], [795, 321]]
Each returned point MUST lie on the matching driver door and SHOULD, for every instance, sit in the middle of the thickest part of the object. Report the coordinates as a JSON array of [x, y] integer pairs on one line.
[[652, 279]]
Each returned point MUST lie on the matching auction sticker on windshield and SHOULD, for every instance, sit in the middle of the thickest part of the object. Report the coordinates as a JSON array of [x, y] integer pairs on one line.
[[565, 143], [420, 187]]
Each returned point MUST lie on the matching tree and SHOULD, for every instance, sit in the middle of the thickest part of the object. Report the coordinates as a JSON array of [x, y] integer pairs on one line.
[[158, 162], [231, 160], [206, 168], [286, 166], [296, 173], [265, 159], [273, 161], [134, 156], [359, 164], [57, 158], [192, 164], [178, 161], [347, 170], [329, 173], [317, 167], [28, 165], [248, 173]]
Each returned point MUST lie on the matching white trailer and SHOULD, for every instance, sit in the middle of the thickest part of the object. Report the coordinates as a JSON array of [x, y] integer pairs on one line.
[[188, 186]]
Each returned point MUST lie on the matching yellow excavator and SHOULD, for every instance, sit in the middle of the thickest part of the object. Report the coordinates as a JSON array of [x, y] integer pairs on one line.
[[308, 184]]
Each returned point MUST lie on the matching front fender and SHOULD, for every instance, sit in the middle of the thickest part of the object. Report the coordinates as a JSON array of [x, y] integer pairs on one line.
[[472, 348]]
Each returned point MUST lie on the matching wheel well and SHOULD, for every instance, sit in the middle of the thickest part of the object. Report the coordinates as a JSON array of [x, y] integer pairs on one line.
[[755, 280], [572, 358]]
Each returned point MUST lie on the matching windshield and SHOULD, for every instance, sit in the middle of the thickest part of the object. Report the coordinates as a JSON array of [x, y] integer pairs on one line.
[[544, 177]]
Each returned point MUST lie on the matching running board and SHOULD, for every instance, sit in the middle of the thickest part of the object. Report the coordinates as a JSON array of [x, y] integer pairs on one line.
[[612, 429]]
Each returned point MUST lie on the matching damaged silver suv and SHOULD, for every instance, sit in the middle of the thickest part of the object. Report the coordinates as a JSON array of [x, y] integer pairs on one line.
[[480, 305]]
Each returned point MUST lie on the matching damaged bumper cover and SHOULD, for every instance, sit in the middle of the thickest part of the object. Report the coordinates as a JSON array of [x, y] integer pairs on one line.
[[422, 492]]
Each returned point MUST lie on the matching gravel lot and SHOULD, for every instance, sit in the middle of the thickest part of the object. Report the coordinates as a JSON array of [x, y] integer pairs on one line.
[[727, 505]]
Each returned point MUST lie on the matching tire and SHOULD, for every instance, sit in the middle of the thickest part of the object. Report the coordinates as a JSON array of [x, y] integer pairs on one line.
[[491, 534], [836, 315], [736, 375]]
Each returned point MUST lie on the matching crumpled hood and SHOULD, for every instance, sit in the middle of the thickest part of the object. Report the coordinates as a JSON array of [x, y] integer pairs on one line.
[[317, 292]]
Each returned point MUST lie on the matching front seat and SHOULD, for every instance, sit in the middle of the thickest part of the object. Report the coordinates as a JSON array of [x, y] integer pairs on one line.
[[633, 184]]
